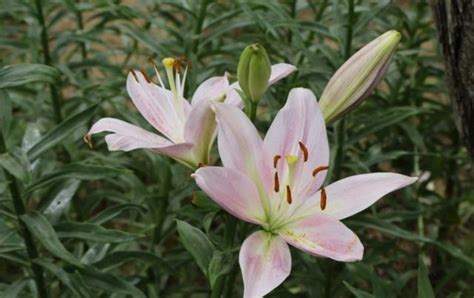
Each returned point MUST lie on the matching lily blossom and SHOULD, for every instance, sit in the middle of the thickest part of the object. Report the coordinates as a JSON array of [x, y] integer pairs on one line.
[[277, 183], [187, 129]]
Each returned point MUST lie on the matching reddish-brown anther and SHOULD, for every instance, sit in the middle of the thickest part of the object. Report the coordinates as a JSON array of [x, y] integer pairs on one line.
[[323, 199], [319, 169], [289, 199], [305, 151]]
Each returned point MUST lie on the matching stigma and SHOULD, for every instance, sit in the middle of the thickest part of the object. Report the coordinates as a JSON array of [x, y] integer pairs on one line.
[[168, 62]]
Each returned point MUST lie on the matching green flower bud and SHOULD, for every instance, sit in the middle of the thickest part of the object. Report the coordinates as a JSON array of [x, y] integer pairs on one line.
[[254, 72], [358, 76]]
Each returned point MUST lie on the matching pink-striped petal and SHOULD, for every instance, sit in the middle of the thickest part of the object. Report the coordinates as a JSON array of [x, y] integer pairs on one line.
[[280, 71], [323, 235], [351, 195], [238, 140], [265, 261], [233, 191], [200, 130], [300, 120], [127, 137], [157, 106], [211, 89]]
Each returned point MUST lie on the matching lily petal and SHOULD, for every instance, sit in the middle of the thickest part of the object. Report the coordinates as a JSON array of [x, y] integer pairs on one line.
[[127, 137], [300, 120], [210, 89], [280, 71], [239, 142], [200, 130], [323, 235], [351, 195], [265, 261], [233, 97], [156, 106], [233, 191]]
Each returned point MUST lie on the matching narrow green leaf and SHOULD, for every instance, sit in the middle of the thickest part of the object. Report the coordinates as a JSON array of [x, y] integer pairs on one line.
[[117, 258], [390, 229], [75, 171], [69, 280], [5, 112], [424, 286], [93, 232], [61, 131], [44, 232], [61, 201], [14, 290], [114, 211], [358, 293], [380, 120], [17, 165], [21, 74], [110, 283], [197, 244], [219, 266]]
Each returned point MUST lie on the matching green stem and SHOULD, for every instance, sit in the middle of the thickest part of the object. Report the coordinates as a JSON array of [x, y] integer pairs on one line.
[[199, 23], [341, 126], [253, 111], [19, 207], [47, 59]]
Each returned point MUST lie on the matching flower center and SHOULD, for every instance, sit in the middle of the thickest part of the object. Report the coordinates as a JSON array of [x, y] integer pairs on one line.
[[289, 172]]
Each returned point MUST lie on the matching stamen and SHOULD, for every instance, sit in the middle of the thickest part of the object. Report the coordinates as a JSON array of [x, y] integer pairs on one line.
[[276, 158], [305, 151], [145, 76], [134, 75], [319, 169], [276, 184], [288, 195], [323, 200]]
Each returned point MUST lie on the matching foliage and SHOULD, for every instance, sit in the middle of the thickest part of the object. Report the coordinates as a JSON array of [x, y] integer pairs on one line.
[[114, 223]]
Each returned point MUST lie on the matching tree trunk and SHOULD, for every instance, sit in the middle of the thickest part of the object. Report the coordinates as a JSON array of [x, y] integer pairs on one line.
[[455, 23]]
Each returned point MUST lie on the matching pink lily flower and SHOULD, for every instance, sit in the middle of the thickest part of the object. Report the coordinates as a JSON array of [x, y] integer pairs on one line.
[[187, 129], [277, 183]]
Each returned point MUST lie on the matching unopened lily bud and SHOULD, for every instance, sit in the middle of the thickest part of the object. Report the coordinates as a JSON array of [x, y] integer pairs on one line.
[[358, 76], [254, 72]]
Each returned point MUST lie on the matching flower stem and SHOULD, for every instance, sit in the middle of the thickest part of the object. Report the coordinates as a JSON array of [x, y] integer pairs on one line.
[[47, 59], [253, 111], [19, 207], [341, 126]]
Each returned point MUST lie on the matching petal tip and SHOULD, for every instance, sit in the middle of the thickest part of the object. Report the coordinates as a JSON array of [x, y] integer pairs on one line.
[[88, 139]]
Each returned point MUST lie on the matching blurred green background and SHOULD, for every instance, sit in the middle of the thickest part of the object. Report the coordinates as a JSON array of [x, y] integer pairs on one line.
[[105, 223]]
